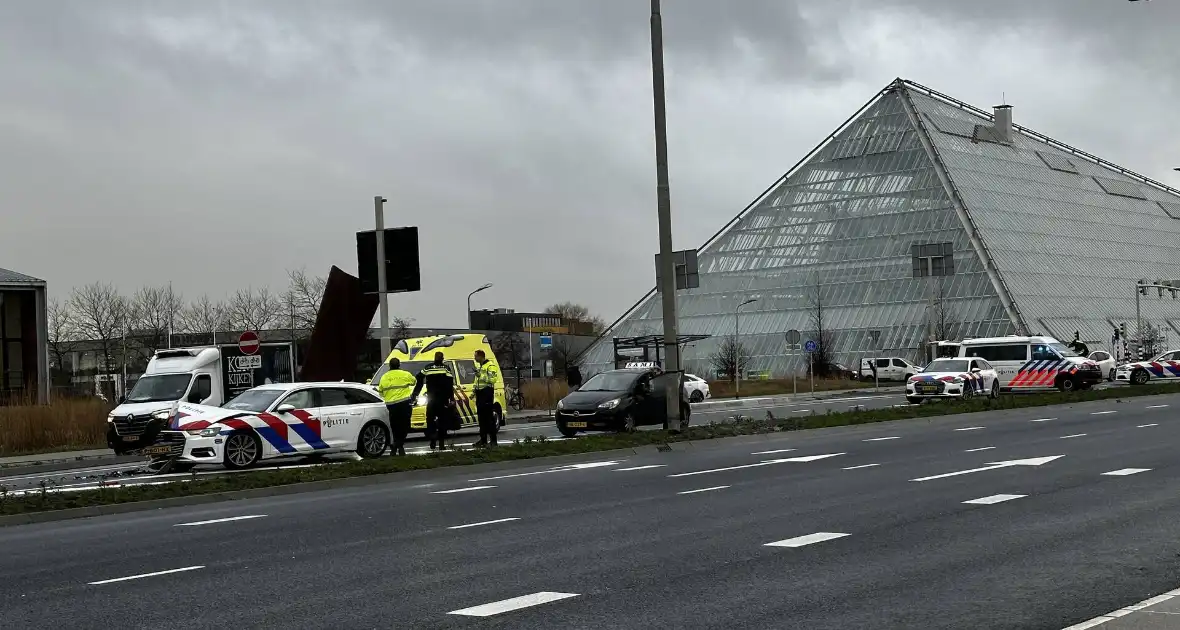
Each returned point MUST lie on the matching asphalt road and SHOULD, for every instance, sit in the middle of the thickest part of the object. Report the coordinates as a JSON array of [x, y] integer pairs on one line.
[[1056, 515], [91, 474]]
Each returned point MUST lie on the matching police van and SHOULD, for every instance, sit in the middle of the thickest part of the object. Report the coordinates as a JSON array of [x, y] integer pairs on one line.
[[1035, 363]]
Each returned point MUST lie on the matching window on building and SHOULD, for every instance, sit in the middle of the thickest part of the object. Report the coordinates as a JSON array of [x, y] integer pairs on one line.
[[933, 259]]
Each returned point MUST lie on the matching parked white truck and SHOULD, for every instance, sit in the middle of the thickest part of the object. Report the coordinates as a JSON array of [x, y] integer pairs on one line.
[[209, 375]]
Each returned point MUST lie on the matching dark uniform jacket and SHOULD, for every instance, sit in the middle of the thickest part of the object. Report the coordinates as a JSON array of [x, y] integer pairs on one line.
[[438, 382]]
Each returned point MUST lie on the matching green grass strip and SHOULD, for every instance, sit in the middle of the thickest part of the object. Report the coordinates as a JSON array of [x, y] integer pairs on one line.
[[44, 499]]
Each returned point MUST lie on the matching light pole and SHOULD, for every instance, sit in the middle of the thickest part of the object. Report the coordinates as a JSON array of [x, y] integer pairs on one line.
[[664, 213], [737, 353], [379, 235], [483, 288]]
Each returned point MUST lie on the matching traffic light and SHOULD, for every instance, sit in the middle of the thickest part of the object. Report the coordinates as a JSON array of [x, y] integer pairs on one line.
[[1142, 286], [1123, 329], [1159, 287], [1173, 286]]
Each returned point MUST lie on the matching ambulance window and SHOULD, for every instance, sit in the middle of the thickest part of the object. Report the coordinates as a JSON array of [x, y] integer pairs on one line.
[[465, 370]]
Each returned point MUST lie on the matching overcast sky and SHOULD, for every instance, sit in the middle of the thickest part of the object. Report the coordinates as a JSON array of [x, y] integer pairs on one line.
[[216, 144]]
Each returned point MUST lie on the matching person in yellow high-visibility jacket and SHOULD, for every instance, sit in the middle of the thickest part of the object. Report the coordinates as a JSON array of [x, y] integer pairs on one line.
[[396, 387], [486, 377]]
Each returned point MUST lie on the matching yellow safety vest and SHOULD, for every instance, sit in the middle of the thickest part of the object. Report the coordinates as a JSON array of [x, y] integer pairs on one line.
[[485, 376], [396, 386]]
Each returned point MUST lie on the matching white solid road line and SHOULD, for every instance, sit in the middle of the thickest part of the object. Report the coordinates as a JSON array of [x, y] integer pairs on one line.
[[882, 439], [1156, 406], [516, 603], [1044, 419], [147, 575], [995, 498], [976, 450], [803, 541], [861, 466], [221, 520], [649, 466], [462, 490], [969, 429], [1125, 471], [555, 469], [777, 450], [703, 490], [769, 462], [1066, 437], [499, 520], [1102, 413], [1123, 612], [1144, 426]]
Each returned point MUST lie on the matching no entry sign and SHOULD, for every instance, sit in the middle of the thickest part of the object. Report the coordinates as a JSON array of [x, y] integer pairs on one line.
[[248, 342]]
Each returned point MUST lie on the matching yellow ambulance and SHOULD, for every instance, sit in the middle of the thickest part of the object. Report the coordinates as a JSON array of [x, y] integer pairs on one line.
[[459, 352]]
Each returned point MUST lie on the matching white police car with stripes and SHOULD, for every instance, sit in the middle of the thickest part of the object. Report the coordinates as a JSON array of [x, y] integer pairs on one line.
[[278, 420], [953, 378], [1165, 367]]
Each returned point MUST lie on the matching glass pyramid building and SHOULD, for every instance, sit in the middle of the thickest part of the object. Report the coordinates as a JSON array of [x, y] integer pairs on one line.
[[923, 218]]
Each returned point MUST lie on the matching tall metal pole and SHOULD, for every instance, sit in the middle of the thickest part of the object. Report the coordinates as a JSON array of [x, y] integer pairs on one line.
[[1138, 326], [383, 304], [737, 355], [664, 211]]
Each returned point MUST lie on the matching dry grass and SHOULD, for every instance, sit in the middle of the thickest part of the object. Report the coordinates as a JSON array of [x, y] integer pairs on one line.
[[536, 396], [66, 424], [724, 389]]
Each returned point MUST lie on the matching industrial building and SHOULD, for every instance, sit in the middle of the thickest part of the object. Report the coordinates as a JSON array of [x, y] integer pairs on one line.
[[24, 339]]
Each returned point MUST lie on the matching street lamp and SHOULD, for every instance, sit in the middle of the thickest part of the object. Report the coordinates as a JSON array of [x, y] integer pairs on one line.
[[737, 355], [483, 288]]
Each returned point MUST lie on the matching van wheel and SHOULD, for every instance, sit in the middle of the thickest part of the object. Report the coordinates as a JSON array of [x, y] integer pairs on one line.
[[372, 440], [1068, 384], [1139, 377], [242, 450]]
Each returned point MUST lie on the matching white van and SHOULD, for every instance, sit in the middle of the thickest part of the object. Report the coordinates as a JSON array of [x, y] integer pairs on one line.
[[1034, 363], [888, 369]]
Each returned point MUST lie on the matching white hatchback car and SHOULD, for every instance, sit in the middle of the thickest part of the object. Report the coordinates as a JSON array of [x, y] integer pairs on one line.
[[1106, 362], [278, 420], [953, 378], [696, 388]]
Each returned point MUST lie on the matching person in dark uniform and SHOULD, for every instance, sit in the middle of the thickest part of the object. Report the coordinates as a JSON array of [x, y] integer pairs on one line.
[[395, 387], [486, 378], [439, 383]]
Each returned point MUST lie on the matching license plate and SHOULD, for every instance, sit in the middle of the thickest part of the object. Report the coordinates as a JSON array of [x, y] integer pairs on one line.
[[157, 450], [576, 425], [928, 390], [131, 438]]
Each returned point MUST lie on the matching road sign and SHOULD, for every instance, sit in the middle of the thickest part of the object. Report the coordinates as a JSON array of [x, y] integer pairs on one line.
[[248, 342], [811, 345], [793, 337], [546, 342]]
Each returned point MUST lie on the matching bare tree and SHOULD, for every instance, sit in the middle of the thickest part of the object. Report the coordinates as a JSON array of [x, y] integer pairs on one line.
[[511, 349], [730, 359], [577, 312], [254, 309], [62, 338], [944, 324], [301, 300], [204, 317], [821, 359], [154, 312], [399, 328], [100, 314], [564, 356]]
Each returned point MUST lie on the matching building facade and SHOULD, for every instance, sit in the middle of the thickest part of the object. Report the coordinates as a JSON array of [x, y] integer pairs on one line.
[[24, 339], [924, 218]]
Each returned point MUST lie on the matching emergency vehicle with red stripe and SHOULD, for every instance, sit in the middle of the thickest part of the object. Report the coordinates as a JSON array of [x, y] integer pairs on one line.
[[278, 420], [953, 378], [1033, 363], [1165, 367]]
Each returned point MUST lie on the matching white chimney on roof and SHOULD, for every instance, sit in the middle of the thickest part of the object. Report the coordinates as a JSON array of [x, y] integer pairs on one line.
[[1003, 123]]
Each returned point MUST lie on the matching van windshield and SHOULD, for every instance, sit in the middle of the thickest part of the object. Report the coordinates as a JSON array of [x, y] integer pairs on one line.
[[159, 388], [413, 367], [1063, 350]]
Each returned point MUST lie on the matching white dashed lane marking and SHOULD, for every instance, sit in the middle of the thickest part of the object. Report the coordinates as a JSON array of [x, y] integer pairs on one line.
[[777, 450], [882, 439], [481, 523], [649, 466], [861, 466], [1044, 419], [976, 450], [147, 575], [995, 498], [516, 603], [1066, 437], [462, 489], [969, 429], [1144, 426], [221, 520], [1123, 472], [1102, 413], [703, 490], [803, 541], [1156, 406]]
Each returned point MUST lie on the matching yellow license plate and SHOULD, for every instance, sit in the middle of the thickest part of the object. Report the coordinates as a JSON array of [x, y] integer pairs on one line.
[[576, 425], [157, 450], [131, 438]]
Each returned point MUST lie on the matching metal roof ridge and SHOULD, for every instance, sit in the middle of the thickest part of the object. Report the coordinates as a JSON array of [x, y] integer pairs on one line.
[[1040, 137]]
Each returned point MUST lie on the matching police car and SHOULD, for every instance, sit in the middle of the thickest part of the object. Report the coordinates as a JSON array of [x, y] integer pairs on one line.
[[273, 421], [1165, 367], [953, 378]]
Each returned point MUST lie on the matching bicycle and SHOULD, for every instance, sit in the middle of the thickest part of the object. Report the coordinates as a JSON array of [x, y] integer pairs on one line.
[[515, 398]]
